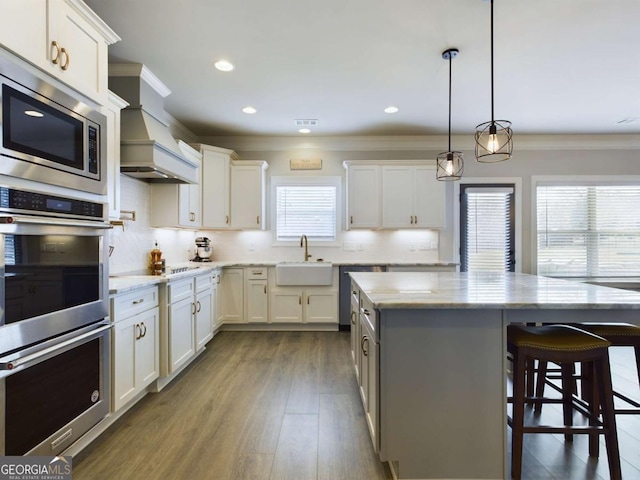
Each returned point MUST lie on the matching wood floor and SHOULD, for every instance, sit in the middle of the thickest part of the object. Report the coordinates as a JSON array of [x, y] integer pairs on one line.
[[254, 406], [284, 405]]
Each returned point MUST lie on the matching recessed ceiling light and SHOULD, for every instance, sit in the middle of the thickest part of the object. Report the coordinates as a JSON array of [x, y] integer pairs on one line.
[[34, 113], [304, 130], [391, 109], [249, 110], [223, 66]]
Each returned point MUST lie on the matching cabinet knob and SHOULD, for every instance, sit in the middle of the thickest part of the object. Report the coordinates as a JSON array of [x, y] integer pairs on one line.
[[365, 311]]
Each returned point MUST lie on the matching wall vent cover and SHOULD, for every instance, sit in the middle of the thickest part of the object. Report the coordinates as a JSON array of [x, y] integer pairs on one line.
[[306, 122]]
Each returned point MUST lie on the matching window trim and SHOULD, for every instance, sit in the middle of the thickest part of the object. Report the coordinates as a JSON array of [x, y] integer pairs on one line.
[[566, 180], [517, 184], [326, 181]]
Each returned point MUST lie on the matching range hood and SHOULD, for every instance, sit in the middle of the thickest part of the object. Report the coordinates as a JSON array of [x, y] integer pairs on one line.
[[148, 150]]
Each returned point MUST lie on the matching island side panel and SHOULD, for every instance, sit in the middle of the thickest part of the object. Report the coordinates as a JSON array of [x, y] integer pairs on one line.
[[442, 392]]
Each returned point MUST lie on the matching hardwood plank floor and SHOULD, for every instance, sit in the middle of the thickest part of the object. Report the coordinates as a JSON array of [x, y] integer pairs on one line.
[[285, 405]]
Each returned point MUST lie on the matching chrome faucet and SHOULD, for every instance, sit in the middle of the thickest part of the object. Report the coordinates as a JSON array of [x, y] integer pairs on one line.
[[304, 241]]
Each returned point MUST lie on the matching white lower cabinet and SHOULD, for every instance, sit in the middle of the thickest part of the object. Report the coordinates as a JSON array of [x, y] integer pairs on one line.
[[218, 313], [308, 305], [181, 329], [205, 308], [369, 374], [135, 354], [233, 295], [256, 294]]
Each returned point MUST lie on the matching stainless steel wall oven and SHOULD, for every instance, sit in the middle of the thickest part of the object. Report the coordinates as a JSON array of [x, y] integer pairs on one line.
[[54, 334]]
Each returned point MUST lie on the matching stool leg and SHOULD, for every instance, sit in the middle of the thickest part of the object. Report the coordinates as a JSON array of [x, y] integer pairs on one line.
[[590, 395], [605, 392], [519, 371], [531, 370], [637, 350], [567, 397], [542, 375]]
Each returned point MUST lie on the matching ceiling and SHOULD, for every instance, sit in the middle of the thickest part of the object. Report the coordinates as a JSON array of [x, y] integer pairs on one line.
[[561, 66]]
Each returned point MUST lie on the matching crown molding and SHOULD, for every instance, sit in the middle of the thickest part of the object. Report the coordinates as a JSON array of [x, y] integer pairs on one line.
[[139, 70], [434, 143]]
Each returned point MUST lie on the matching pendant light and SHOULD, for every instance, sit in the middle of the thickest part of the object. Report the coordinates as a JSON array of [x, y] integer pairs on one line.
[[450, 164], [494, 139]]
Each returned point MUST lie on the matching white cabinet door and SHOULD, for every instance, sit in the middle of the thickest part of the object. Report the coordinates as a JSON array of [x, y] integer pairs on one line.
[[286, 305], [397, 196], [112, 112], [233, 295], [215, 189], [363, 196], [363, 379], [321, 306], [204, 317], [125, 333], [248, 196], [81, 52], [147, 351], [429, 206], [218, 311], [257, 304], [355, 332], [181, 333], [23, 30]]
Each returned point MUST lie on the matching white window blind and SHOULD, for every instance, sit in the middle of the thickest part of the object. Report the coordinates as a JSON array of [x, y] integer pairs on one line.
[[306, 210], [588, 231], [488, 231]]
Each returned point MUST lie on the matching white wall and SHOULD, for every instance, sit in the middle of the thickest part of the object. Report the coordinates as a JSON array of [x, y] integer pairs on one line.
[[533, 155]]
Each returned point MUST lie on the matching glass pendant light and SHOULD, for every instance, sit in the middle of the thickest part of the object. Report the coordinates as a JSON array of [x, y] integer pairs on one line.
[[450, 164], [494, 139]]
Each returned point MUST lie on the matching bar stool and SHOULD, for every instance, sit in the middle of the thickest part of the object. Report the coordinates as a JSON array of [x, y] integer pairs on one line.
[[619, 335], [565, 346]]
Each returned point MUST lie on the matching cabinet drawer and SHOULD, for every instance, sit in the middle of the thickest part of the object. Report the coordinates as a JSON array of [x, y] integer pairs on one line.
[[368, 315], [203, 282], [131, 303], [180, 289], [253, 273]]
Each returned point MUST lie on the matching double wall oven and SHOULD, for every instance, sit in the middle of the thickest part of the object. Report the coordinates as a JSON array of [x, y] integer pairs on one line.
[[54, 330]]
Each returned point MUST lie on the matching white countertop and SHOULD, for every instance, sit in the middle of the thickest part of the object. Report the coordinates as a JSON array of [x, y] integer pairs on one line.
[[487, 290]]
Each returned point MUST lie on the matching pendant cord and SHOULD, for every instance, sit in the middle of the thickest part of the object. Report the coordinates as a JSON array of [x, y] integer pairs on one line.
[[450, 60], [492, 113]]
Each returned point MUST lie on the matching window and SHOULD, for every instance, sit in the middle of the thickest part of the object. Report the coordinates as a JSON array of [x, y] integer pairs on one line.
[[487, 228], [306, 207], [588, 230]]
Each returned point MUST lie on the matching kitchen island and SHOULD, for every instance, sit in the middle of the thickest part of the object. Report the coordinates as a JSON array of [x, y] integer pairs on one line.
[[435, 361]]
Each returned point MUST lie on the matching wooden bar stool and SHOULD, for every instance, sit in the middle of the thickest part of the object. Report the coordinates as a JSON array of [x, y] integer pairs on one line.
[[565, 346]]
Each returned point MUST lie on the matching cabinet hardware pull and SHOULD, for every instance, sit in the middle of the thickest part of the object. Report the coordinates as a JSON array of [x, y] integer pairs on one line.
[[138, 331], [416, 217], [193, 308], [137, 302], [353, 292], [226, 219], [199, 306], [217, 279], [144, 333], [55, 59], [265, 289], [308, 300], [365, 311], [65, 65], [351, 219], [365, 341], [258, 219], [353, 315], [299, 300]]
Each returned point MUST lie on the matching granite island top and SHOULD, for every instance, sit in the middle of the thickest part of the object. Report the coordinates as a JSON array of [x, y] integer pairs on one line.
[[487, 290]]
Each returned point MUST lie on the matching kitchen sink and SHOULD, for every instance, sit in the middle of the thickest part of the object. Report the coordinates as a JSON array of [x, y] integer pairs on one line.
[[304, 273]]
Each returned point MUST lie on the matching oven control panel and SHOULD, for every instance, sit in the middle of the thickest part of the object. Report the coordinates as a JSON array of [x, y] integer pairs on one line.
[[23, 201]]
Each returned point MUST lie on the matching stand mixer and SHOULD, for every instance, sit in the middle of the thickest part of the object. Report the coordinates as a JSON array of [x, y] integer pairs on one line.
[[203, 250]]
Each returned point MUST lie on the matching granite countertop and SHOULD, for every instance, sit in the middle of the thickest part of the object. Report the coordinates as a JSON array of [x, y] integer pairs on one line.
[[487, 290]]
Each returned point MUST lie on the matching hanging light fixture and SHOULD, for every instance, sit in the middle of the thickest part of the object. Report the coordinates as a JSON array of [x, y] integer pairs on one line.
[[450, 164], [494, 139]]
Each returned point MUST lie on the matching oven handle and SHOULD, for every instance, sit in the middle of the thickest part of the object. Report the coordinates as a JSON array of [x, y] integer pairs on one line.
[[49, 352], [52, 221]]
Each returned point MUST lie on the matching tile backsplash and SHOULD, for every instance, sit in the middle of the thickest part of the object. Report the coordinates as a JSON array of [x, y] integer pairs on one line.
[[133, 244]]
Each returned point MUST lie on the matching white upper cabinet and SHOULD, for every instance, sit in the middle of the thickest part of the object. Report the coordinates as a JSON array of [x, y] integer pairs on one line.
[[112, 112], [178, 205], [248, 194], [216, 163], [412, 197], [64, 38], [363, 196]]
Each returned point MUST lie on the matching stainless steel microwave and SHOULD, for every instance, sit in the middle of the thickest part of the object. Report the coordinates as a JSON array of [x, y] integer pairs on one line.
[[47, 135]]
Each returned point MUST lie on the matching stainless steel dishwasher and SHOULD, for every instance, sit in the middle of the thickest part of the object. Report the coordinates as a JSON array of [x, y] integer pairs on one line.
[[345, 290]]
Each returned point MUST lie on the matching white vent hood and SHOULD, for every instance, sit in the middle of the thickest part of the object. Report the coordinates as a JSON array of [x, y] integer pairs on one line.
[[147, 149]]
